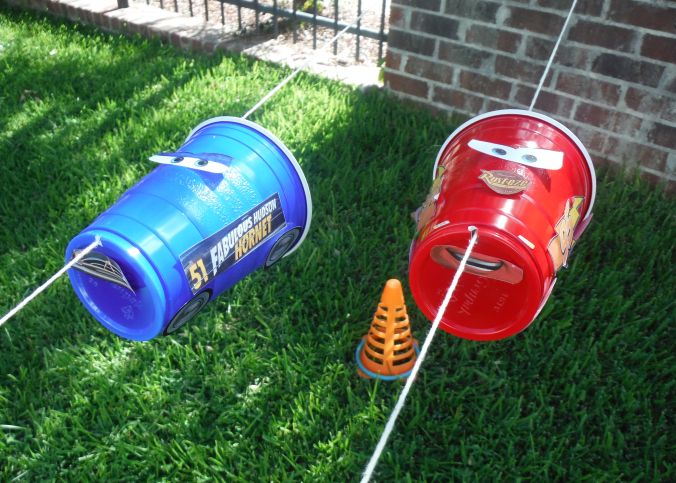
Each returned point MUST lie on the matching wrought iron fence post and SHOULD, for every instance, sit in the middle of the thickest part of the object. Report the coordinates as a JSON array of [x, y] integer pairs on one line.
[[300, 12]]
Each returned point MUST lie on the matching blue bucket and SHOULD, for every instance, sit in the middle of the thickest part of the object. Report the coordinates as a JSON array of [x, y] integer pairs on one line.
[[230, 200]]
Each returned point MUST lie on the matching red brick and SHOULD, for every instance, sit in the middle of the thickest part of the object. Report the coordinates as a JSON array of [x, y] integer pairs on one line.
[[56, 8], [463, 55], [589, 88], [660, 48], [71, 13], [153, 32], [493, 38], [433, 70], [485, 85], [635, 154], [535, 21], [556, 104], [393, 60], [165, 36], [397, 18], [473, 9], [671, 84], [660, 182], [520, 69], [663, 135], [574, 56], [591, 139], [82, 14], [209, 46], [411, 42], [492, 105], [407, 85], [105, 22], [641, 100], [175, 39], [603, 35], [671, 164], [670, 188], [435, 25], [197, 45], [187, 43], [538, 48], [433, 5], [457, 99], [629, 69], [436, 110], [115, 23], [607, 119], [606, 162], [583, 7], [643, 14], [651, 178]]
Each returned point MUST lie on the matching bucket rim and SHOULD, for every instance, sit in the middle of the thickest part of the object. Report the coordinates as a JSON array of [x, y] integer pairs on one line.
[[123, 249], [276, 141], [536, 115]]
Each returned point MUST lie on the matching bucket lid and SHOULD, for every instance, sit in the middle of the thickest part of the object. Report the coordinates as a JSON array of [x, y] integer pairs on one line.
[[294, 163], [533, 115]]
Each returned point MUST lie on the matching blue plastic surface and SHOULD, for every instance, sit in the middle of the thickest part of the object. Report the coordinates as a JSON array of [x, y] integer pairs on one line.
[[173, 219]]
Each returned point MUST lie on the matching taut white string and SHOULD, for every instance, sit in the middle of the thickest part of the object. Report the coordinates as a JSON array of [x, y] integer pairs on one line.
[[368, 472], [52, 279], [293, 74], [551, 57]]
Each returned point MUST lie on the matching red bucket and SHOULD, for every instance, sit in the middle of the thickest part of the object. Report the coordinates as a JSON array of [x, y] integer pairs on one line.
[[528, 184]]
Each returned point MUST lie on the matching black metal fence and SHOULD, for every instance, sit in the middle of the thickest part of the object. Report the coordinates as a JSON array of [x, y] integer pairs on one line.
[[307, 16]]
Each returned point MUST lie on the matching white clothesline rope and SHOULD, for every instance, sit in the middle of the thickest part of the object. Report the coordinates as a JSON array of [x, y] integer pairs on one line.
[[368, 472], [293, 74], [370, 467], [51, 280], [551, 57]]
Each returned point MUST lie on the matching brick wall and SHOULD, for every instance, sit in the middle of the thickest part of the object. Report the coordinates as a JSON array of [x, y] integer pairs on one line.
[[613, 81]]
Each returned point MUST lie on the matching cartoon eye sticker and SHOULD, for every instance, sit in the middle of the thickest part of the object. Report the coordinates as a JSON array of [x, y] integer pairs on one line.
[[190, 162], [533, 157]]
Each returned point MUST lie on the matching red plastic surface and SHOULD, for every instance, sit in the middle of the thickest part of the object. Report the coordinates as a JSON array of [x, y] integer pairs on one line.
[[515, 230]]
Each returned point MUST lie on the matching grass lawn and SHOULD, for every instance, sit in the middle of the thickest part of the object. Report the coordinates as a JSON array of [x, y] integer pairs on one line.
[[263, 385]]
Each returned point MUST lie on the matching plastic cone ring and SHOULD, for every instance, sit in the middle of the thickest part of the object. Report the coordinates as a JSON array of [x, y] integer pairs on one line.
[[388, 351]]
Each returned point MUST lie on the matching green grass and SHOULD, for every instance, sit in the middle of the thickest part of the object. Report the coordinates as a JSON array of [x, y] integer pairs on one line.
[[262, 385]]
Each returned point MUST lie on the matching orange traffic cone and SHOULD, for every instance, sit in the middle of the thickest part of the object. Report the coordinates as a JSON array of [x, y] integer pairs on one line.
[[389, 350]]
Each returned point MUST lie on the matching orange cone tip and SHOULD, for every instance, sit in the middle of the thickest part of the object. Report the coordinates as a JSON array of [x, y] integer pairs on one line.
[[388, 351]]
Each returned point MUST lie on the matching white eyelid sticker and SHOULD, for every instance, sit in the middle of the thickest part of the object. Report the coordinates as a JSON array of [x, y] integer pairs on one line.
[[190, 162], [534, 157]]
